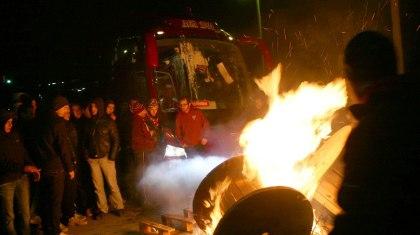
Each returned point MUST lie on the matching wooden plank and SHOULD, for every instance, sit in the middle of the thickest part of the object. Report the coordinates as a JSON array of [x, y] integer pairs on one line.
[[148, 227], [187, 224]]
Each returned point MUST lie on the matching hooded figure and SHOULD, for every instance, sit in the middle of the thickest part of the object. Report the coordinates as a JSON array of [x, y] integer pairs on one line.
[[381, 156], [14, 184], [102, 149]]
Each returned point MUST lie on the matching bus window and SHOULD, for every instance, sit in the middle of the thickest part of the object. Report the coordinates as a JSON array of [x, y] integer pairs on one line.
[[210, 72]]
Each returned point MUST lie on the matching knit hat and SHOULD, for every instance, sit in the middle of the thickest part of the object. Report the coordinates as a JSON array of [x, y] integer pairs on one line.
[[137, 108], [59, 102], [153, 103]]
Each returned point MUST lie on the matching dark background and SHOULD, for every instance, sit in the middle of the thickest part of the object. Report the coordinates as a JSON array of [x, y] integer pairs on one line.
[[45, 41]]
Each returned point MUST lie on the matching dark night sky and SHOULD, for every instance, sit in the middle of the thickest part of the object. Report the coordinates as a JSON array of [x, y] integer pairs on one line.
[[64, 40], [48, 40]]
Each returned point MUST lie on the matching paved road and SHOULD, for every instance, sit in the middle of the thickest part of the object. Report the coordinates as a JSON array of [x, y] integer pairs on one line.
[[127, 224]]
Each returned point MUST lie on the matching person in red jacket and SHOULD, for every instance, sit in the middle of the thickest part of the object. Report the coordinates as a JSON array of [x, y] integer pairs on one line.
[[191, 127], [142, 143]]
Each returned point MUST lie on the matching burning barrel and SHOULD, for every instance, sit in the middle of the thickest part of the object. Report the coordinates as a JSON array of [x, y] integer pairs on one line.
[[237, 197]]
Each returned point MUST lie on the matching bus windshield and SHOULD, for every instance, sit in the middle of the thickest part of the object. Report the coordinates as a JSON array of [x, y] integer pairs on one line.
[[211, 73]]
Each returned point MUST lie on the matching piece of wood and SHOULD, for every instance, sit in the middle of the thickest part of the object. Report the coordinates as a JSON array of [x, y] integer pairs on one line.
[[148, 227], [187, 224]]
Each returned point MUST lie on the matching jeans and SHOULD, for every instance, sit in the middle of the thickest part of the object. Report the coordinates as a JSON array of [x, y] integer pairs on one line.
[[52, 188], [15, 192], [104, 168], [68, 208]]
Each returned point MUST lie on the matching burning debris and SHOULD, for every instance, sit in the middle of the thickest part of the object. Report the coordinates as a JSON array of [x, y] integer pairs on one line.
[[281, 149]]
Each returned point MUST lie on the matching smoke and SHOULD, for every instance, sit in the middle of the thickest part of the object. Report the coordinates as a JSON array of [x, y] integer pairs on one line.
[[171, 184]]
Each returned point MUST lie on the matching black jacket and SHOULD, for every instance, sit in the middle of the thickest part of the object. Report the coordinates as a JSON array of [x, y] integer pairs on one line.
[[103, 139], [382, 161], [55, 149], [13, 157]]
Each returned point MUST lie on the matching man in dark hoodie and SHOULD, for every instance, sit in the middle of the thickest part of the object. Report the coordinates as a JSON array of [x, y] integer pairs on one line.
[[102, 149], [56, 156], [14, 183], [378, 193]]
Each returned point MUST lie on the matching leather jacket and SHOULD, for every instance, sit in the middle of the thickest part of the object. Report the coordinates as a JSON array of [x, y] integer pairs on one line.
[[102, 135], [103, 139]]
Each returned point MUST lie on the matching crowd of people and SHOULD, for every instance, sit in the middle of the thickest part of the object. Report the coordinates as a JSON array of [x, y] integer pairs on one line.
[[70, 149], [67, 161]]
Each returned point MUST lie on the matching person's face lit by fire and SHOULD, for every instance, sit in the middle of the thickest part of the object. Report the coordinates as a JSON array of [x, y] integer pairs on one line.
[[153, 110], [93, 109], [110, 108], [77, 111], [184, 105], [143, 113], [8, 126], [64, 112]]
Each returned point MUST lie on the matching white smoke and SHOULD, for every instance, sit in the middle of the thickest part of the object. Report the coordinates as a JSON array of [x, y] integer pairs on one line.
[[171, 184]]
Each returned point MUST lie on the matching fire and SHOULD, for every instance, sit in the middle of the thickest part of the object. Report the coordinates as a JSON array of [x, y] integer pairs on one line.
[[282, 148], [278, 147], [215, 201]]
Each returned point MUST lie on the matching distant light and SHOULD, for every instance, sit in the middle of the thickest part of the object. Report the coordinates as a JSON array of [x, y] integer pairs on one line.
[[230, 38], [8, 81], [62, 82], [125, 51], [160, 32], [53, 83]]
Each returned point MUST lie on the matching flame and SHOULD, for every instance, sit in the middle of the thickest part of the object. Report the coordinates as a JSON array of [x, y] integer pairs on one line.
[[282, 148], [215, 201], [277, 148]]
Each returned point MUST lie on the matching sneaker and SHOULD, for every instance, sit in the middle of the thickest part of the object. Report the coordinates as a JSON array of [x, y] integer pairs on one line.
[[63, 228], [75, 221], [80, 217]]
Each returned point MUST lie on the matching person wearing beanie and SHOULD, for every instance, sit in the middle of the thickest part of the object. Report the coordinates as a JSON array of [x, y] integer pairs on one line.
[[103, 144], [15, 166], [156, 121], [142, 143], [55, 159], [381, 155]]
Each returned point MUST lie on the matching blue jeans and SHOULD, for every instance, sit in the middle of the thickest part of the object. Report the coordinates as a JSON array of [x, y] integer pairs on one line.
[[15, 192]]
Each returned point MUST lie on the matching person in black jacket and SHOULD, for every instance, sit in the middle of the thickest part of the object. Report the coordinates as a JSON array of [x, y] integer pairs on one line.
[[379, 194], [86, 199], [102, 149], [56, 154], [14, 183]]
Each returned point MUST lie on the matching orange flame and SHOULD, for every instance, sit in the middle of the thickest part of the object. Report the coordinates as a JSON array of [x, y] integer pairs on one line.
[[282, 149], [277, 147], [215, 201]]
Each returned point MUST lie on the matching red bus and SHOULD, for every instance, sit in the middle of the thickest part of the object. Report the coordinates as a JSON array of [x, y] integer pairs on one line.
[[187, 57]]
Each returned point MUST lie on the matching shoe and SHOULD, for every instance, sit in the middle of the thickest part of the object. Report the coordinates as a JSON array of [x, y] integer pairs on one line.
[[80, 217], [63, 228], [75, 221], [118, 212]]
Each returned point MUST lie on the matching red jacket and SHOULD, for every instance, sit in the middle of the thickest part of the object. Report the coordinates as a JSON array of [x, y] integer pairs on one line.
[[141, 139], [191, 127]]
